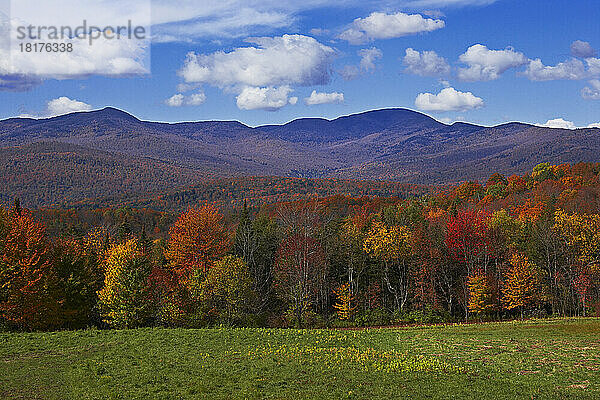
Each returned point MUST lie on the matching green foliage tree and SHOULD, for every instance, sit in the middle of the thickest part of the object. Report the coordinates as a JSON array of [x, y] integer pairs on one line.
[[228, 288]]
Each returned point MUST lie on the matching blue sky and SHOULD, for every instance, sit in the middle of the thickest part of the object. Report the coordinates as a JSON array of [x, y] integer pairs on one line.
[[473, 60]]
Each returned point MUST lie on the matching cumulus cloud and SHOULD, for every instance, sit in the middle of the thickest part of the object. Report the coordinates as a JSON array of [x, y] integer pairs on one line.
[[262, 75], [484, 64], [449, 99], [324, 98], [591, 92], [368, 58], [593, 66], [427, 63], [65, 105], [379, 25], [559, 123], [267, 98], [274, 61], [22, 70], [175, 101], [582, 49], [178, 100], [572, 69]]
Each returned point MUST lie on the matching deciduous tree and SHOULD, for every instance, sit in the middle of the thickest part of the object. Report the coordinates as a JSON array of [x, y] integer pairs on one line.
[[125, 300]]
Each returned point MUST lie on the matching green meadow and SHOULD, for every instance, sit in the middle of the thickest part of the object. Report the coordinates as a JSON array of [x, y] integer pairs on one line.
[[546, 359]]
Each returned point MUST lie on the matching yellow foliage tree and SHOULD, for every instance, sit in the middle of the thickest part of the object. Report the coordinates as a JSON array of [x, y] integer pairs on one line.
[[343, 305], [522, 284], [124, 299], [581, 234], [481, 294], [391, 244], [387, 243]]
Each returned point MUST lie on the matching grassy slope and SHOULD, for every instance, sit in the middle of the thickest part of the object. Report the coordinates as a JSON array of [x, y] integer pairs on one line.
[[545, 359]]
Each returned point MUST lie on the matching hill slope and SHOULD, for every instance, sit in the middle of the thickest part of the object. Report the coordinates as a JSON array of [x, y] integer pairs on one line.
[[390, 144]]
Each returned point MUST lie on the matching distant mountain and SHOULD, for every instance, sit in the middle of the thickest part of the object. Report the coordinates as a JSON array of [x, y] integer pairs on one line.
[[390, 144]]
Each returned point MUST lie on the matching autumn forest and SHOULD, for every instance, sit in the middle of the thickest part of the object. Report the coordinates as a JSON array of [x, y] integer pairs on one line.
[[509, 248]]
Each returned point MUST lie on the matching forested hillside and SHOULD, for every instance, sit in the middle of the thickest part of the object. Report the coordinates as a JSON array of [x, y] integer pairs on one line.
[[515, 246]]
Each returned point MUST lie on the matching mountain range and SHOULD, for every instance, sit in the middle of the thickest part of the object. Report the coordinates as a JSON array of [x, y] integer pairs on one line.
[[110, 152]]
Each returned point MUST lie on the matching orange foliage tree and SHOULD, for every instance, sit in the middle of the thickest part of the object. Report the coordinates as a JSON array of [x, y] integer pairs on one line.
[[344, 305], [197, 239]]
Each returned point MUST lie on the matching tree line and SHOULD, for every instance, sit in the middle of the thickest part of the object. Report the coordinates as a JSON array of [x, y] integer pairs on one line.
[[509, 248]]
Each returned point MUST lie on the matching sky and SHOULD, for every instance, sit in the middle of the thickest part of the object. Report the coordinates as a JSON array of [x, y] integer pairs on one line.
[[264, 62]]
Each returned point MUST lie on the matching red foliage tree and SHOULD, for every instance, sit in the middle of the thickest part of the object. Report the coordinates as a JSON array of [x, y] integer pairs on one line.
[[27, 275], [467, 238]]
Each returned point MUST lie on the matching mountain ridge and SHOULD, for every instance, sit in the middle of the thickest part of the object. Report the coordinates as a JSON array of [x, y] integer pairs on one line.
[[392, 144]]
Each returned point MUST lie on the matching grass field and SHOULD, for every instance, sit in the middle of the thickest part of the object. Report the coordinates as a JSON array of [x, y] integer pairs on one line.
[[535, 359]]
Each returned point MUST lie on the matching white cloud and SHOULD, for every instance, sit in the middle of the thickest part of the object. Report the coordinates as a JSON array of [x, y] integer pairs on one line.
[[387, 26], [349, 72], [319, 31], [449, 99], [366, 64], [175, 101], [186, 87], [324, 98], [572, 69], [230, 24], [178, 100], [591, 92], [559, 123], [368, 58], [484, 64], [427, 63], [582, 49], [22, 70], [593, 65], [285, 60], [262, 75], [267, 98], [196, 99], [434, 13], [447, 3], [65, 105]]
